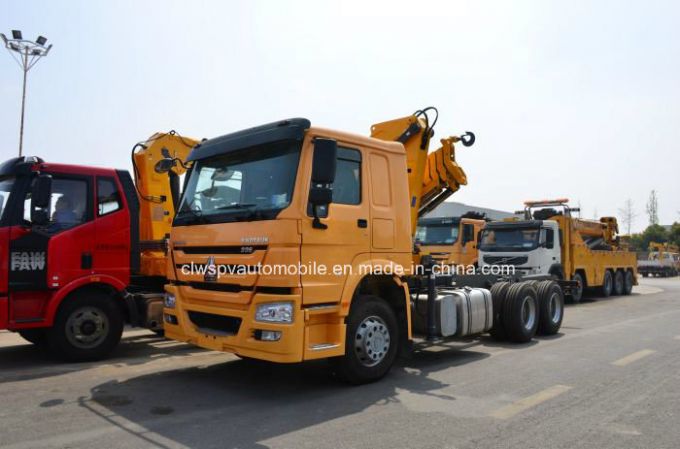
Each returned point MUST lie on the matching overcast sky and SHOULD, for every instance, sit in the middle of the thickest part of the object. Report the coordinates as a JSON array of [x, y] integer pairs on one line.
[[576, 99]]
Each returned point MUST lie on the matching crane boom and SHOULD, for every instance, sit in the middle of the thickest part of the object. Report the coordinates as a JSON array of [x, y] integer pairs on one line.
[[158, 194], [432, 177]]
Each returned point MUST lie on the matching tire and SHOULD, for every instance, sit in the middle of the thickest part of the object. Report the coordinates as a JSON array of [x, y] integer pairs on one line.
[[371, 343], [88, 327], [607, 284], [550, 307], [618, 283], [521, 312], [36, 336], [499, 293], [628, 282], [577, 295]]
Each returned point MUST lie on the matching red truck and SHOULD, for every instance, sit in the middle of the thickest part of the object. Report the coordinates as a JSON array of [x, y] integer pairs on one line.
[[81, 248]]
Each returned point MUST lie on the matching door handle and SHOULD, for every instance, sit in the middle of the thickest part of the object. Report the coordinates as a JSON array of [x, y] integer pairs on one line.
[[362, 223]]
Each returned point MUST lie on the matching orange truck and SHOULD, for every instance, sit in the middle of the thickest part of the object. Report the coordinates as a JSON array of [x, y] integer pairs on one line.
[[294, 242], [450, 240]]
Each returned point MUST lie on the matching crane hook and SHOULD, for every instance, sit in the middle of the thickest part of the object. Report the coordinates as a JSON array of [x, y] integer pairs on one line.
[[468, 139]]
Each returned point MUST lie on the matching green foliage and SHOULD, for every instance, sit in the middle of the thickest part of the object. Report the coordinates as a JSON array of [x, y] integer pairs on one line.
[[653, 233], [674, 235]]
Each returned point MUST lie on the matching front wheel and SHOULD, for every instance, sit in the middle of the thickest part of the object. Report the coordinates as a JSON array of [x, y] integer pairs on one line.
[[371, 341], [88, 326]]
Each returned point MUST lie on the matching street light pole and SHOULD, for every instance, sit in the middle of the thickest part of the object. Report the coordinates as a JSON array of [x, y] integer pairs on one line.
[[29, 53]]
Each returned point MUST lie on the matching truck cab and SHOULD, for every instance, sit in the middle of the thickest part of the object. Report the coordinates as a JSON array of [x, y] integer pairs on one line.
[[449, 240], [530, 247]]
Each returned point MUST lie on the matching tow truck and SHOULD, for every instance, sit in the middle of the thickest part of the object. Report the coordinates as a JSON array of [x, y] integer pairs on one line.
[[289, 194], [82, 249]]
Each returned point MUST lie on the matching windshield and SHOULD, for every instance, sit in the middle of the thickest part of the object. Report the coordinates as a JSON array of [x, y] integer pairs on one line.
[[5, 189], [252, 184], [509, 239], [437, 234]]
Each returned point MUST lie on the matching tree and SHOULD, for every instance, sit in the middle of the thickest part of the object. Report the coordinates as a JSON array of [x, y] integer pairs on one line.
[[628, 215], [653, 233], [653, 208], [674, 235]]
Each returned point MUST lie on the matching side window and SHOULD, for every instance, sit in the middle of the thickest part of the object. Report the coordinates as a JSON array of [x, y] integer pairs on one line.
[[68, 204], [347, 185], [549, 238], [108, 196]]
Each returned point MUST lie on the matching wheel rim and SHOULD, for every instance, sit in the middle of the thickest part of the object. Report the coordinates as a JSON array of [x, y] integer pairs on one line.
[[579, 289], [555, 310], [528, 312], [372, 341], [87, 327], [608, 283]]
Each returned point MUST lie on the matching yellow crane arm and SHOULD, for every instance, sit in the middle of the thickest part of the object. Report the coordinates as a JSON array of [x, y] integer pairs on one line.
[[432, 177], [158, 194]]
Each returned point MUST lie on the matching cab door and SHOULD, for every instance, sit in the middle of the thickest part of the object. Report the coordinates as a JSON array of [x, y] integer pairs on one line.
[[347, 235], [45, 258]]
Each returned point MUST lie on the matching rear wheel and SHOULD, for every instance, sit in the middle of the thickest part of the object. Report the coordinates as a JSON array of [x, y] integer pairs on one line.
[[577, 292], [607, 284], [371, 342], [521, 317], [628, 282], [36, 336], [88, 326], [551, 308], [618, 283], [499, 293]]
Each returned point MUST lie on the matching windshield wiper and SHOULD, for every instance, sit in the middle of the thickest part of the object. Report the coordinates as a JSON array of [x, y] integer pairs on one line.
[[237, 206]]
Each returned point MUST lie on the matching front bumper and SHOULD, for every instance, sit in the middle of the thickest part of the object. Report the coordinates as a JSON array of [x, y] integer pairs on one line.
[[239, 333]]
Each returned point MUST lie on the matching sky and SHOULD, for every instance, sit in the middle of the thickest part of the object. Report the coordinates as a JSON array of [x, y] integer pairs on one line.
[[575, 99]]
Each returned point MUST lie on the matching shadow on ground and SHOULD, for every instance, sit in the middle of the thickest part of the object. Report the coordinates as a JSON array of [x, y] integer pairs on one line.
[[28, 361]]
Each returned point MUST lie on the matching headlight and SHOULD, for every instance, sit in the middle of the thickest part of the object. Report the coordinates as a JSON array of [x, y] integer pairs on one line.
[[275, 312], [169, 301]]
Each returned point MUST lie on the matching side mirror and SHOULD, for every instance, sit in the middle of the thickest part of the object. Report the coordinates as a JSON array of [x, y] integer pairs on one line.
[[468, 234], [323, 164], [164, 165], [41, 194], [323, 175]]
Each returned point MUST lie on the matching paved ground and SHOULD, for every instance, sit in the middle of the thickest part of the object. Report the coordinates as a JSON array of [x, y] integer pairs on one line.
[[611, 379]]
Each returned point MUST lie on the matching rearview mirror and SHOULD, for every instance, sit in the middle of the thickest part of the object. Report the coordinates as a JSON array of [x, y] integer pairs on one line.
[[323, 175], [41, 194], [164, 165], [468, 234], [323, 164]]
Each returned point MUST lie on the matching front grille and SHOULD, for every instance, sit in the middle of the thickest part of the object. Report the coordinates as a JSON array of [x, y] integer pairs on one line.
[[506, 260], [217, 287], [215, 324]]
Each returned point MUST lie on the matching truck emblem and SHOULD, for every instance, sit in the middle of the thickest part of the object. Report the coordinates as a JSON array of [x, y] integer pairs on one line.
[[255, 240], [28, 261], [210, 270]]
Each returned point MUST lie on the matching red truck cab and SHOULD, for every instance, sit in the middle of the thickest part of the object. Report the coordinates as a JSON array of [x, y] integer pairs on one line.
[[69, 251]]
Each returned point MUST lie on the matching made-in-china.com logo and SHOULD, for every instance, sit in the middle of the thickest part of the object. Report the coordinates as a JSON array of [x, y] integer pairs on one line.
[[210, 270]]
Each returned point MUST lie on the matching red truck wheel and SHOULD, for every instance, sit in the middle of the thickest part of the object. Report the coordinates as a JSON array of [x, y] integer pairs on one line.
[[88, 326]]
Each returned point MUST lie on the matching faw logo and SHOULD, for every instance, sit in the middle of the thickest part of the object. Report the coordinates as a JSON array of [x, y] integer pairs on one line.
[[28, 261]]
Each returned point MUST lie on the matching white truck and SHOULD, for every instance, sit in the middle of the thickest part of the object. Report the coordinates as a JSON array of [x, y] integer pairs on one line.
[[550, 241]]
